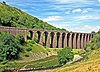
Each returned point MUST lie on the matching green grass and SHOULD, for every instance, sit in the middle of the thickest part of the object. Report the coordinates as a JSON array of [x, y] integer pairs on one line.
[[49, 61], [36, 48], [14, 17], [91, 64], [78, 51], [53, 49]]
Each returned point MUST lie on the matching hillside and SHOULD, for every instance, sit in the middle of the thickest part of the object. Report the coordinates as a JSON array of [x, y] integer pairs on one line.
[[13, 17], [91, 63], [16, 53]]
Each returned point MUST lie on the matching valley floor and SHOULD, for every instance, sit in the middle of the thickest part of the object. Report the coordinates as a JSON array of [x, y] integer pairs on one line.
[[92, 64]]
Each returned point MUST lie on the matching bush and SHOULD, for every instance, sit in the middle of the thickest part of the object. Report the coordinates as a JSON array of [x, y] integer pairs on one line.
[[65, 55], [29, 49], [9, 47]]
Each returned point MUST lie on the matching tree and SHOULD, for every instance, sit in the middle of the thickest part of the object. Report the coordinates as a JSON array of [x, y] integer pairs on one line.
[[9, 47], [65, 55], [98, 31], [4, 2], [93, 32]]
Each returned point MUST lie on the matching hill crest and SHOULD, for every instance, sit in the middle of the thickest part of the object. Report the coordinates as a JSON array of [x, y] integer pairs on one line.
[[14, 17]]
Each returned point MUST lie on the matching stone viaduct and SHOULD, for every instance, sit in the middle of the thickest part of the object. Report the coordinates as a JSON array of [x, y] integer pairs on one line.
[[52, 38]]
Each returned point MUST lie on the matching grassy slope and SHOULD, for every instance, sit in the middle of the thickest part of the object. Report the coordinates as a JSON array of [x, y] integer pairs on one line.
[[49, 61], [36, 50], [91, 65], [11, 16]]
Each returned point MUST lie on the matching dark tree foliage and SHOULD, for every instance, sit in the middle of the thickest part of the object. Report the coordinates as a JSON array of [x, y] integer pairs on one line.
[[98, 31], [65, 55], [9, 47], [4, 2], [93, 32]]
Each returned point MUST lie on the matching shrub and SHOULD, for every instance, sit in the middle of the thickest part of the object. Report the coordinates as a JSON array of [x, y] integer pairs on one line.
[[29, 49], [65, 55], [9, 47]]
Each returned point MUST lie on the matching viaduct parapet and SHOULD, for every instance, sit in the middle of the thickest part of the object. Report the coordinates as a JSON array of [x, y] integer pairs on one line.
[[52, 38]]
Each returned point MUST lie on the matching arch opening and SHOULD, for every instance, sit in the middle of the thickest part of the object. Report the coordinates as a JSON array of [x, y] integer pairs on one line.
[[83, 40], [37, 37], [51, 39], [58, 36], [68, 36], [29, 35], [73, 36], [45, 35], [63, 39], [77, 41], [80, 40]]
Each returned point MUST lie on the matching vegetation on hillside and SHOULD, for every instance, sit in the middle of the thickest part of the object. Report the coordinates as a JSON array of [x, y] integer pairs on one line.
[[91, 63], [9, 47], [13, 17], [94, 43], [65, 55], [15, 52]]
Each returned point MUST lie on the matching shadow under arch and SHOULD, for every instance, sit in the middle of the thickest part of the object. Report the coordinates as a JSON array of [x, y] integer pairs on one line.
[[38, 35], [45, 35], [63, 39], [77, 40], [58, 37], [87, 38], [80, 41], [73, 36], [51, 39], [29, 35], [68, 36]]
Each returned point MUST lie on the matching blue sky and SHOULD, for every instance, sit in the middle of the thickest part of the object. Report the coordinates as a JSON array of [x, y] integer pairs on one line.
[[73, 15]]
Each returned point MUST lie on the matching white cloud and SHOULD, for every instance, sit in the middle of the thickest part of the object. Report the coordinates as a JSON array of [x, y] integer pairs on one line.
[[76, 28], [71, 1], [84, 11], [79, 10], [52, 18], [98, 0], [85, 29], [68, 12], [88, 17], [25, 10]]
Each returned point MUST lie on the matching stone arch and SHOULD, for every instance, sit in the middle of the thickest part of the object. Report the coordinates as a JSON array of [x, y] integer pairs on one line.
[[92, 36], [58, 39], [80, 41], [86, 38], [89, 37], [52, 39], [77, 40], [45, 35], [68, 35], [73, 37], [38, 34], [30, 34], [83, 40], [63, 39]]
